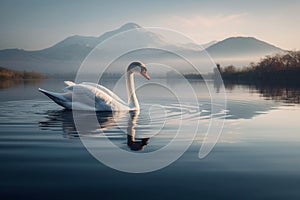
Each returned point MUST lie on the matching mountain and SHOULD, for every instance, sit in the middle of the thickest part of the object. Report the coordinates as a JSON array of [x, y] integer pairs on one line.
[[90, 41], [241, 50], [206, 45], [194, 46], [67, 55], [241, 46]]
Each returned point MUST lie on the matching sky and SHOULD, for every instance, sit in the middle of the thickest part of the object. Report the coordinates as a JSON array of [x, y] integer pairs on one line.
[[35, 24]]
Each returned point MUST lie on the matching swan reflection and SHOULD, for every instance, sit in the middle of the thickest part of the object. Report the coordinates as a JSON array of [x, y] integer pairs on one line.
[[134, 143], [110, 124]]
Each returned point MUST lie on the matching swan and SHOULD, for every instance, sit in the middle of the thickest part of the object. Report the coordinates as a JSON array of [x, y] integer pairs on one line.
[[97, 97]]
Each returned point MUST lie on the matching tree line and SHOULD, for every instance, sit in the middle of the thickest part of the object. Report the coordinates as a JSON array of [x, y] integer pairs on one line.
[[14, 74], [278, 68]]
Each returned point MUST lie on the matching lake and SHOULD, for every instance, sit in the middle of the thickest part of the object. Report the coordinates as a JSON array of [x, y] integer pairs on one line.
[[256, 157]]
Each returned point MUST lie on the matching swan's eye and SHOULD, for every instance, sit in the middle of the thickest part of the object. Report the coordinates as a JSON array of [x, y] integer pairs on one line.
[[143, 69]]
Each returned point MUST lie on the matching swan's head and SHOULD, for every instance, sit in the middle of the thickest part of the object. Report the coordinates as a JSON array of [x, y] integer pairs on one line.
[[138, 67]]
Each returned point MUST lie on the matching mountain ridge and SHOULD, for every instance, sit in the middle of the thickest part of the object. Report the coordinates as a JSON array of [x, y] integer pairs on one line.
[[67, 55]]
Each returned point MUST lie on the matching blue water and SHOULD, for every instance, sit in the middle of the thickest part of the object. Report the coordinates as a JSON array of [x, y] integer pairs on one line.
[[257, 155]]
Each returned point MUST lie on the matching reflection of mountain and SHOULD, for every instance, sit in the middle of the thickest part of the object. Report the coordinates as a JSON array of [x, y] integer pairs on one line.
[[67, 55]]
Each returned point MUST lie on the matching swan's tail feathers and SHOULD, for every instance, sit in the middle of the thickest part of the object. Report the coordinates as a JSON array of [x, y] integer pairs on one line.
[[56, 97], [69, 83]]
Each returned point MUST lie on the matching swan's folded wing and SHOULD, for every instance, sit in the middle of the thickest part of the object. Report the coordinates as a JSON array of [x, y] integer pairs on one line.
[[92, 97], [106, 90], [69, 83], [70, 86], [91, 93]]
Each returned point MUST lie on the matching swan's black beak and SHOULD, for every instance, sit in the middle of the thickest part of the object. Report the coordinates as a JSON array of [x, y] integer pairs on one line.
[[144, 74]]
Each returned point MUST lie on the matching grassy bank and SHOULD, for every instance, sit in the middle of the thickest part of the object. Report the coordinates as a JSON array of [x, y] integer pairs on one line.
[[6, 74]]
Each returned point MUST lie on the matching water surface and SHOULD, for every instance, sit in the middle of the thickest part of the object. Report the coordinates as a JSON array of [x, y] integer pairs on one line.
[[256, 157]]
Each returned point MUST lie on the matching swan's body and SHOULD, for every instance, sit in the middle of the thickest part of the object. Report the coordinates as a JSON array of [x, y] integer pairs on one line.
[[97, 97]]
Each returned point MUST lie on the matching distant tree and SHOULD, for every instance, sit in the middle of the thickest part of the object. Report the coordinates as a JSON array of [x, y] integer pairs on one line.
[[13, 74], [278, 68], [219, 67]]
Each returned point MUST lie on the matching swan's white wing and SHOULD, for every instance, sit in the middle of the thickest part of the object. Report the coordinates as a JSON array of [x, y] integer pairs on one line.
[[90, 98], [106, 90], [69, 87], [69, 83], [93, 97]]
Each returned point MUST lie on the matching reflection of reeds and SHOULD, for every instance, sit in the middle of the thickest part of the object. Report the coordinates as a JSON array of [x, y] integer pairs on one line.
[[7, 83], [275, 77], [283, 93]]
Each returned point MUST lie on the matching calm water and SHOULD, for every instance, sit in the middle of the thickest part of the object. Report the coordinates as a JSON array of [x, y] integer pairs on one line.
[[256, 157]]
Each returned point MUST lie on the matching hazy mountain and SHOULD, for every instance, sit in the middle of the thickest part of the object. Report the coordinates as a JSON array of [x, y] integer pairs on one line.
[[237, 46], [90, 41], [194, 46], [206, 45], [241, 51], [67, 55]]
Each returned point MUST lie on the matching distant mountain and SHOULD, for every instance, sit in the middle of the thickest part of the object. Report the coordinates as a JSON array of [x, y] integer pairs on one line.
[[240, 51], [241, 47], [194, 46], [206, 45], [67, 55], [90, 41]]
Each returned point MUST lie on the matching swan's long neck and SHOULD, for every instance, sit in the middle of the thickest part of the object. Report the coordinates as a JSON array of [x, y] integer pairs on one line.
[[132, 100]]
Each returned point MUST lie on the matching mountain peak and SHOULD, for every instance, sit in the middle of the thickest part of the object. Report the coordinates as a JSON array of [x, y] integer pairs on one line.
[[239, 45], [129, 26], [239, 38]]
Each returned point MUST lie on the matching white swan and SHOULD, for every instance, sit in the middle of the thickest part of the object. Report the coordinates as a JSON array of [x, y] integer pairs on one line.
[[97, 97]]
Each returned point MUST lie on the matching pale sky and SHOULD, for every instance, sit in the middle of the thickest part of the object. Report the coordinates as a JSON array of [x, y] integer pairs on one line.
[[36, 24]]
